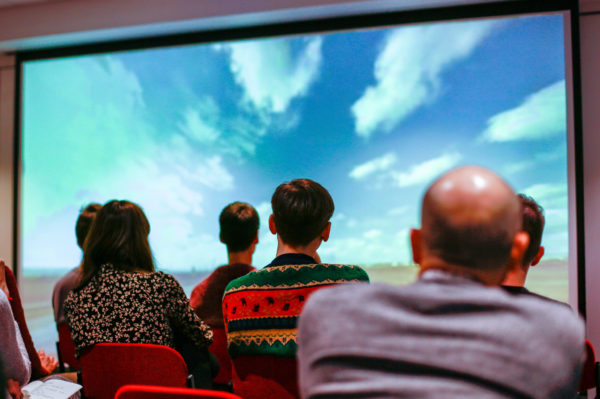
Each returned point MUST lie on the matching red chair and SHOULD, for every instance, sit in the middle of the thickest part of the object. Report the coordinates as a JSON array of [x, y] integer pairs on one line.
[[66, 349], [219, 349], [265, 377], [154, 392], [588, 373], [107, 367]]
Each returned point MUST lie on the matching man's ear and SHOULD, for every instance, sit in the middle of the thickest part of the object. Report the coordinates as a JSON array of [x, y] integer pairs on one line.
[[256, 238], [519, 246], [272, 227], [325, 232], [221, 238], [539, 255], [415, 243]]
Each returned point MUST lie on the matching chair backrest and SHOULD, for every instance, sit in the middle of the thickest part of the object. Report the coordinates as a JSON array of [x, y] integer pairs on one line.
[[66, 348], [265, 377], [155, 392], [588, 372], [219, 349], [106, 367]]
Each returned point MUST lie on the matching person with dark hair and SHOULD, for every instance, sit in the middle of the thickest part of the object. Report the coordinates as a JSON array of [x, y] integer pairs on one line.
[[121, 298], [533, 225], [454, 333], [65, 285], [239, 224], [261, 309]]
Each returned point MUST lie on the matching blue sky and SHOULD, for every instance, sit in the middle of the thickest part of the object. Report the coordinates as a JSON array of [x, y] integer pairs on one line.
[[373, 115]]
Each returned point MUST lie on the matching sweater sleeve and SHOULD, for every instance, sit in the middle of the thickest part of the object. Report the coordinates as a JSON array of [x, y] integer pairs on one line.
[[12, 349], [183, 317]]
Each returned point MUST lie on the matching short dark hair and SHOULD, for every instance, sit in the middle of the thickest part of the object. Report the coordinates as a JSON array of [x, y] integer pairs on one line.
[[84, 222], [533, 224], [301, 210], [118, 236], [239, 225]]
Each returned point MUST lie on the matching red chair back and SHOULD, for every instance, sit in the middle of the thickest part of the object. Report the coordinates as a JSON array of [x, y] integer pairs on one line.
[[588, 372], [154, 392], [219, 349], [107, 367], [66, 348], [265, 377]]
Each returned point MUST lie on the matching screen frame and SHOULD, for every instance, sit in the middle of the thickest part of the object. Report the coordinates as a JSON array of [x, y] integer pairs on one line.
[[570, 10]]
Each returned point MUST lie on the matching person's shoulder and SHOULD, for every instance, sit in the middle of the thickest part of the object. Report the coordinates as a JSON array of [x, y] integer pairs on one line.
[[349, 272], [341, 296]]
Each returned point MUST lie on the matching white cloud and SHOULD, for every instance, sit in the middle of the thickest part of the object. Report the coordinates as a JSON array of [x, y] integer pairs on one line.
[[544, 191], [541, 115], [560, 152], [426, 171], [401, 210], [408, 71], [549, 195], [271, 74], [264, 211], [382, 163], [197, 129]]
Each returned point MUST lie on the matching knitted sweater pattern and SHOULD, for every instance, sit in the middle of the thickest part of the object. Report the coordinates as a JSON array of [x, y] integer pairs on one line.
[[261, 309]]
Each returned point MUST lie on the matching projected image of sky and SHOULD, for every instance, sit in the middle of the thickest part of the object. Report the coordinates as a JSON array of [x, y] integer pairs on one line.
[[373, 115]]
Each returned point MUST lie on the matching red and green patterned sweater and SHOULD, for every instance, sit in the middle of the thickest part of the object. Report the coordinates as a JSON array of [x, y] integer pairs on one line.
[[261, 309]]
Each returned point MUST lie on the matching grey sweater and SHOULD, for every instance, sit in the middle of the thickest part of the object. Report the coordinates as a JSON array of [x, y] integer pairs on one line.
[[445, 336]]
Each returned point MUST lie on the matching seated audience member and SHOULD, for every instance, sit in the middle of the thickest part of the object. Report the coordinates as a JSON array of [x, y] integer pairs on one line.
[[41, 363], [261, 308], [13, 354], [121, 298], [65, 285], [239, 232], [533, 224], [453, 333]]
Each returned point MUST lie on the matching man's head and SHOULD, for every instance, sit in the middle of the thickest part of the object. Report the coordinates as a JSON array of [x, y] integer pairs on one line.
[[533, 224], [84, 222], [301, 212], [239, 226], [470, 221]]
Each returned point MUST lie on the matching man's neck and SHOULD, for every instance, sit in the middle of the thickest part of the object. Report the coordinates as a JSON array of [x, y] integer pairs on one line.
[[516, 278], [491, 278], [240, 257], [310, 250]]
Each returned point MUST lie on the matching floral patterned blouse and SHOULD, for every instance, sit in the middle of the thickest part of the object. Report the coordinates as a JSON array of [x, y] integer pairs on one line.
[[118, 306]]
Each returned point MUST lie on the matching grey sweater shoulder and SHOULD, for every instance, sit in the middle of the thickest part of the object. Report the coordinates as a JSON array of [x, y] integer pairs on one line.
[[451, 338]]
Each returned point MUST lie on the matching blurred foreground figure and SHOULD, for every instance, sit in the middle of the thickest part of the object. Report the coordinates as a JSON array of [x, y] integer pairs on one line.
[[454, 333]]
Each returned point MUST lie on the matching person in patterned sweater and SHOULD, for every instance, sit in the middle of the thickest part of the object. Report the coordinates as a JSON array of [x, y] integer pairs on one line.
[[261, 309]]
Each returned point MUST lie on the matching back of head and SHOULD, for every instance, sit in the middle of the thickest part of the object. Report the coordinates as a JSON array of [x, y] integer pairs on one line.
[[533, 224], [470, 217], [84, 222], [119, 236], [239, 225], [301, 210]]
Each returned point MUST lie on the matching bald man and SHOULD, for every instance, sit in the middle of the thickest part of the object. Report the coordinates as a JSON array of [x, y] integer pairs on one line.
[[454, 333]]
